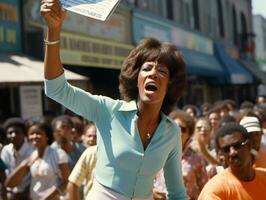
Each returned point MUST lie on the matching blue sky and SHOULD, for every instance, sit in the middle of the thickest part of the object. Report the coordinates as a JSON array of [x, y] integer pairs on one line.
[[259, 7]]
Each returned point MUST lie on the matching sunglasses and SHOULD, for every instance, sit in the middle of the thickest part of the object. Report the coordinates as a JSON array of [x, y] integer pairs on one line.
[[236, 146]]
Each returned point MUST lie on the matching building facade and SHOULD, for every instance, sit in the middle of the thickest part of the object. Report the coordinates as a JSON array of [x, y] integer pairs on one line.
[[259, 23], [217, 31], [215, 36], [260, 31]]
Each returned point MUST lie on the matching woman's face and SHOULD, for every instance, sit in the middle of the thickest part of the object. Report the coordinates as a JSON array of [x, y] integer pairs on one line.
[[90, 137], [37, 137], [214, 120], [203, 130], [153, 80]]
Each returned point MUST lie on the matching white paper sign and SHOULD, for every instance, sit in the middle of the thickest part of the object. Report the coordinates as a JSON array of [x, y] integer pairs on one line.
[[96, 9], [31, 101]]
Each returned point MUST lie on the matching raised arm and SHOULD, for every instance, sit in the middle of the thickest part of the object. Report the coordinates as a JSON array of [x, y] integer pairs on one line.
[[83, 103], [53, 15], [15, 178]]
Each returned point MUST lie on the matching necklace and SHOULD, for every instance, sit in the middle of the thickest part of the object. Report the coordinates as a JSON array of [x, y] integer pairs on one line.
[[148, 136]]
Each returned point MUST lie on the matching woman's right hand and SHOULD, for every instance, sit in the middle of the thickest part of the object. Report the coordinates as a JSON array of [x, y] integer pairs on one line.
[[52, 13]]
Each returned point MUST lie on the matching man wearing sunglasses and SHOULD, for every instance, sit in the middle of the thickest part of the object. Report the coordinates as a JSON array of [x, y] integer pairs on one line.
[[239, 180]]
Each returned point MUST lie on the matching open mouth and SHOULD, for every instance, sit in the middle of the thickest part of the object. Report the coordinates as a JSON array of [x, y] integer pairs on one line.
[[151, 87]]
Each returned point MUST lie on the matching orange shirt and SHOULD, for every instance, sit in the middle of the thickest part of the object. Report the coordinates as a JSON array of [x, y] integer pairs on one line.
[[225, 186]]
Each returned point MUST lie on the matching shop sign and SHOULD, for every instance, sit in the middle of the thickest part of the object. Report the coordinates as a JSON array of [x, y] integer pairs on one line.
[[31, 101], [10, 31], [91, 52], [191, 40], [145, 26]]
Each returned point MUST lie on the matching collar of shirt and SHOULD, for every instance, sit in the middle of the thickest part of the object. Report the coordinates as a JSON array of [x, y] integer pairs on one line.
[[22, 151], [132, 106]]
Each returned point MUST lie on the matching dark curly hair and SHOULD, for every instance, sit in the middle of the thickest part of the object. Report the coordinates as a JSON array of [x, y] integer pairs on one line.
[[45, 126], [230, 128], [15, 121], [186, 118], [150, 49]]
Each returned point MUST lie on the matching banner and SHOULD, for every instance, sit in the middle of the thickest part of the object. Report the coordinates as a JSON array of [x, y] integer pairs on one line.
[[163, 30], [91, 52]]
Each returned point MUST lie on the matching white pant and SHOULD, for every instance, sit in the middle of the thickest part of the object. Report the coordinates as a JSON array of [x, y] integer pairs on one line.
[[99, 192]]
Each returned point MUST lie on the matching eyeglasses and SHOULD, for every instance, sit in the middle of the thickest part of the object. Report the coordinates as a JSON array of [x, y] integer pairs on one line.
[[236, 146]]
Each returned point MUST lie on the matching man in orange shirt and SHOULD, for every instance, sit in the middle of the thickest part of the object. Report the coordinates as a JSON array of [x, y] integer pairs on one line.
[[240, 181]]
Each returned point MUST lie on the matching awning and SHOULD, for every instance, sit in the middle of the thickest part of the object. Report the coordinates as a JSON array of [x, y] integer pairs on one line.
[[18, 68], [201, 64], [236, 74], [255, 70]]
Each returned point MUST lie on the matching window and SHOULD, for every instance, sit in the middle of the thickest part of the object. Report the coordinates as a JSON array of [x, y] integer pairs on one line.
[[187, 13], [142, 4], [156, 7], [169, 6], [220, 18], [235, 39], [196, 14], [244, 39]]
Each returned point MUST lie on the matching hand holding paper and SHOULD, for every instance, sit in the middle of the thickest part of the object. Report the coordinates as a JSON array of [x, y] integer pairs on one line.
[[52, 13], [96, 9]]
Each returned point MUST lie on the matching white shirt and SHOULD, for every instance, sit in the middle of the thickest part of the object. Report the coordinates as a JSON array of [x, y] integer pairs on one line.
[[45, 171], [13, 158]]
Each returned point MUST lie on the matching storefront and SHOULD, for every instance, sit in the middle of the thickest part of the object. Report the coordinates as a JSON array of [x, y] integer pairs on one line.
[[21, 87], [254, 69], [239, 83], [21, 77]]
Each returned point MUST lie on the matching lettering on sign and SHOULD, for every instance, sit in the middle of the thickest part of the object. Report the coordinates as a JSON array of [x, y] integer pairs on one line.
[[11, 36], [8, 35], [87, 51], [8, 13]]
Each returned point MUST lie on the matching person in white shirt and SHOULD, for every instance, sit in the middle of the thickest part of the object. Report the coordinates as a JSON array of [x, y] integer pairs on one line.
[[14, 153], [48, 167]]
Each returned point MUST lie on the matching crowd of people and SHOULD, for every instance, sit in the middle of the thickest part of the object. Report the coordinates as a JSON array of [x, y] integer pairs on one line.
[[224, 150], [139, 147], [38, 155], [223, 154]]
